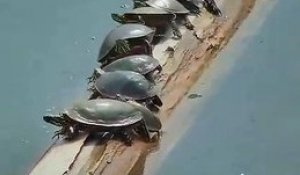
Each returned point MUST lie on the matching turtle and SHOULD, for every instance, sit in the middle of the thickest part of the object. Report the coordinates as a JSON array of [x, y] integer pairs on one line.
[[119, 118], [153, 17], [173, 7], [127, 85], [143, 64], [125, 40]]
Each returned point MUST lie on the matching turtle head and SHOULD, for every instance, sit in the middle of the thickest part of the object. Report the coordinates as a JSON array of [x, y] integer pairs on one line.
[[118, 18], [68, 129]]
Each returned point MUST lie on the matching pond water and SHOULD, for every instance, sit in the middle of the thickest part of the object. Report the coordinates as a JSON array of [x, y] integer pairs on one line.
[[47, 50], [247, 121]]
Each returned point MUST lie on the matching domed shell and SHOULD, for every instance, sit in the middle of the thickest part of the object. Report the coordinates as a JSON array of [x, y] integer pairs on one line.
[[171, 6], [129, 85], [142, 64], [112, 113], [122, 32], [147, 10]]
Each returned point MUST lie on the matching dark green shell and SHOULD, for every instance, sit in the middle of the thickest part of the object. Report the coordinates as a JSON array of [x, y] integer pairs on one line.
[[130, 85], [142, 64]]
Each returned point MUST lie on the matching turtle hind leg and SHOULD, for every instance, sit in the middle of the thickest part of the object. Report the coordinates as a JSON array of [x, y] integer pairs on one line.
[[125, 135], [142, 130], [157, 101], [152, 107]]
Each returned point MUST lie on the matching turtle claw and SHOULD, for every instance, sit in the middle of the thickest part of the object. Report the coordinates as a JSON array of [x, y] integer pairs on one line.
[[57, 134], [92, 78]]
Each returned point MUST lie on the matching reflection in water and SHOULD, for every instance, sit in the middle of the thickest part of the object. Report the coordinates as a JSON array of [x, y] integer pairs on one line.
[[249, 123], [47, 50]]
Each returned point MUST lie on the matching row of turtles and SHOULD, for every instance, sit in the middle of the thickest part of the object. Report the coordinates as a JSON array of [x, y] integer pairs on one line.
[[125, 96]]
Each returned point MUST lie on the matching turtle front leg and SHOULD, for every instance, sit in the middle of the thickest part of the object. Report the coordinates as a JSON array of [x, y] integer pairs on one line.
[[142, 130], [176, 33], [126, 136], [141, 20], [153, 76], [91, 79]]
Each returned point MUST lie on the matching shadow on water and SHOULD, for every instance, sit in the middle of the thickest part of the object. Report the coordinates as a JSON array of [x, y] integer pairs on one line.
[[47, 50]]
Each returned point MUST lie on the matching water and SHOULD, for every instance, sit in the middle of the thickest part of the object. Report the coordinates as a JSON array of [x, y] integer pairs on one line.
[[47, 50], [247, 121]]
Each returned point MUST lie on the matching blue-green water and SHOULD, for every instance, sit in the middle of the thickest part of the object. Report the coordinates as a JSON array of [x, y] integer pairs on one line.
[[46, 52], [250, 122]]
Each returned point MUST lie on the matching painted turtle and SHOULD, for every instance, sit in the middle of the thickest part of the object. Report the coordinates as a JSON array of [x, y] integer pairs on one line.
[[127, 39], [127, 85], [143, 64], [153, 17], [173, 7], [106, 115]]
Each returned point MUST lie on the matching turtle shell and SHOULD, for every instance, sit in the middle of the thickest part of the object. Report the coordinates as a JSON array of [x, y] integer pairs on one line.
[[125, 31], [142, 64], [129, 85], [112, 113], [171, 6], [147, 10]]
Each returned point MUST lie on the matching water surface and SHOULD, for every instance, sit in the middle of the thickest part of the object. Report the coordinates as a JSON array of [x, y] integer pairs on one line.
[[47, 49], [247, 121]]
